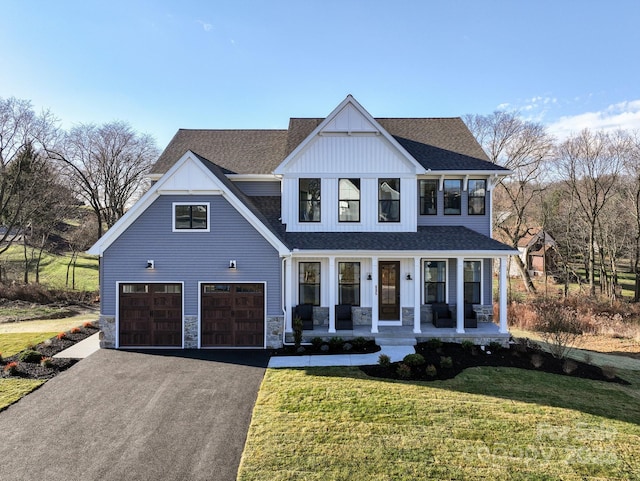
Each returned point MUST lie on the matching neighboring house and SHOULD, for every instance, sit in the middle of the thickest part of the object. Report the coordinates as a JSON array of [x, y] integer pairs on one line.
[[538, 252], [388, 219]]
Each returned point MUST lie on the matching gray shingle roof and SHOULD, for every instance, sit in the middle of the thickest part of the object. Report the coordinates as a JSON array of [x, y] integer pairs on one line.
[[436, 143]]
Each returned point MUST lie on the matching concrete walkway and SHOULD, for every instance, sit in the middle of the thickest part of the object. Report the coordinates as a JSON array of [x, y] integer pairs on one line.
[[396, 353], [82, 349]]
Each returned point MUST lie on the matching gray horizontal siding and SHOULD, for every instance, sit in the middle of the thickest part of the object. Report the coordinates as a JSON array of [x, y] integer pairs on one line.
[[478, 223], [190, 257], [487, 281], [259, 188]]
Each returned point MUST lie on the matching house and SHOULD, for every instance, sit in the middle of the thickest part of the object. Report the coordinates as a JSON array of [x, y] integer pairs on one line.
[[538, 251], [360, 225]]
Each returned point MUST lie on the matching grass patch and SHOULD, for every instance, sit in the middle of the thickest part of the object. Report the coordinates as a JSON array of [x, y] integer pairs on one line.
[[47, 325], [13, 389], [487, 423], [53, 269], [13, 343], [9, 313]]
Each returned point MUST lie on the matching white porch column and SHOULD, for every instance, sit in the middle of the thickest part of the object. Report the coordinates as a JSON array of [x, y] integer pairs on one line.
[[289, 294], [417, 288], [503, 295], [460, 295], [332, 294], [374, 295]]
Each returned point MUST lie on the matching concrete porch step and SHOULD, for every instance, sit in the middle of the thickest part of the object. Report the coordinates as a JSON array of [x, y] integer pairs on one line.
[[382, 340]]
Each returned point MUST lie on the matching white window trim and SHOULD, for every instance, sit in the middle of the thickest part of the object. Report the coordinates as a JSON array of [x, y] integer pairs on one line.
[[446, 278], [173, 216]]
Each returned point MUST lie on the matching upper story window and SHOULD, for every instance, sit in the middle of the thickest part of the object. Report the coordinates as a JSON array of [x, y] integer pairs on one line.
[[190, 217], [309, 283], [452, 196], [309, 210], [477, 191], [388, 200], [428, 197], [349, 200]]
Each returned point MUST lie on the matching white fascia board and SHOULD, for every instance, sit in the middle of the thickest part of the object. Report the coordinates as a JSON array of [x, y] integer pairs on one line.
[[281, 169], [403, 254], [462, 173], [253, 177]]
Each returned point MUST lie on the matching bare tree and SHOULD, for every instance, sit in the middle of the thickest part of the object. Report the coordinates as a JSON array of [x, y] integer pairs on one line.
[[590, 163], [631, 199], [107, 167], [22, 135], [523, 147]]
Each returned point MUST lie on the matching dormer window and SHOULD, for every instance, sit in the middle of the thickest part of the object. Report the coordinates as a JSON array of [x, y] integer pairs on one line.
[[309, 210], [388, 200], [190, 217], [349, 200]]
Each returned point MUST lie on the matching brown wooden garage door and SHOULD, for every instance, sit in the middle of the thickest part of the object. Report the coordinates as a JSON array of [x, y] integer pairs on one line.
[[150, 315], [232, 315]]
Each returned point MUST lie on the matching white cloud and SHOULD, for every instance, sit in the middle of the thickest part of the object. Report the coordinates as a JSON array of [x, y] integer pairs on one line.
[[207, 27], [623, 115]]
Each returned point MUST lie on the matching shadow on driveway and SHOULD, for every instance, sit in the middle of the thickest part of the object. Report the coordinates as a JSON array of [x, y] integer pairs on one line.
[[152, 415]]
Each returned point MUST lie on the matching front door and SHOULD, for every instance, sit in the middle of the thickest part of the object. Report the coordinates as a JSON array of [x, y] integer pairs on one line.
[[389, 298]]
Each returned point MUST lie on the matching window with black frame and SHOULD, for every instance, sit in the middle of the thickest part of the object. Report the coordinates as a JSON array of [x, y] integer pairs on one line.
[[435, 281], [309, 200], [349, 200], [472, 281], [452, 196], [309, 283], [428, 196], [349, 283], [388, 200], [190, 216], [477, 189]]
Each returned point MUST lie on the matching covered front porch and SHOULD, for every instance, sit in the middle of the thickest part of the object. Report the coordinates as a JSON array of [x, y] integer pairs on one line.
[[393, 295]]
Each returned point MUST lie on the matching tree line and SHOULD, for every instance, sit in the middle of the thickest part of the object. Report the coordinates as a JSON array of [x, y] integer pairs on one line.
[[62, 188], [584, 190], [68, 186]]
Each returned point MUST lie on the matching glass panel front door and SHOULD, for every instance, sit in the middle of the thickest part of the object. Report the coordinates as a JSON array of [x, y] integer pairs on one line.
[[389, 295]]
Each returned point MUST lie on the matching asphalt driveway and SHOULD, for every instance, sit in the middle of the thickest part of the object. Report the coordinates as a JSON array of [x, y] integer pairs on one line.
[[170, 415]]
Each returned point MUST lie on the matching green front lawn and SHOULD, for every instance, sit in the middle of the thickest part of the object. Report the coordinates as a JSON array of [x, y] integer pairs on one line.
[[13, 343], [487, 423], [13, 389]]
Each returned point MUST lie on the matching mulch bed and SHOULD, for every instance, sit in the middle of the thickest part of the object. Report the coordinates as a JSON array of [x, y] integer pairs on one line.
[[447, 360], [336, 346], [34, 370]]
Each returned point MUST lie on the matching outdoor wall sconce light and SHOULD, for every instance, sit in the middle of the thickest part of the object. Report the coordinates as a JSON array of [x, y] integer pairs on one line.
[[369, 277], [409, 277], [151, 264], [232, 264]]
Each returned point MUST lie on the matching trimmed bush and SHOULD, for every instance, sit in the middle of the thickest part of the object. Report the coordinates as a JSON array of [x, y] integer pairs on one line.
[[384, 360], [359, 343], [446, 362], [403, 371], [46, 362], [61, 335], [30, 356], [75, 330], [297, 331], [431, 370], [414, 360], [434, 343], [467, 345], [11, 368], [335, 343], [316, 342]]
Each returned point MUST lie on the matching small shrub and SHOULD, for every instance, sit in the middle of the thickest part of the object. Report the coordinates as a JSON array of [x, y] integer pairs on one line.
[[31, 356], [569, 366], [335, 343], [324, 347], [537, 360], [359, 343], [316, 342], [495, 346], [403, 371], [11, 368], [75, 330], [434, 343], [88, 324], [446, 362], [46, 362], [467, 345], [431, 370], [384, 360], [558, 325], [609, 372], [347, 346], [61, 335], [300, 349], [297, 332], [414, 360]]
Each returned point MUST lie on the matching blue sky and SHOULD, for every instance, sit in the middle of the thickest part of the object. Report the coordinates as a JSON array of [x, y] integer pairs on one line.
[[162, 65]]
